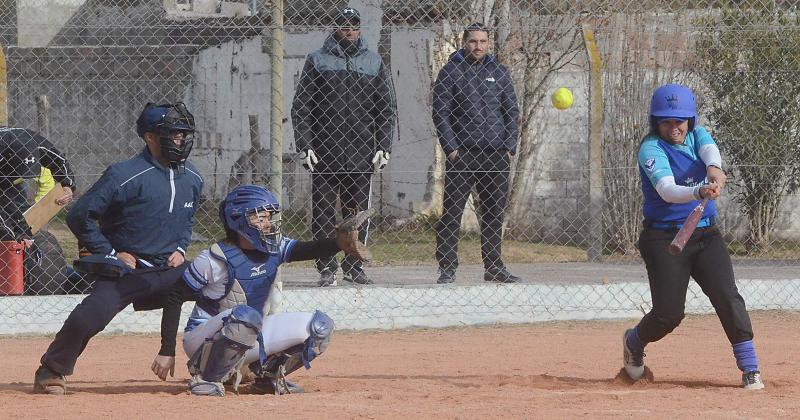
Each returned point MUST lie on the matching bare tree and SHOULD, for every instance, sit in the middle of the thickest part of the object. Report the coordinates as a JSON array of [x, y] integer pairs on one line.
[[633, 71]]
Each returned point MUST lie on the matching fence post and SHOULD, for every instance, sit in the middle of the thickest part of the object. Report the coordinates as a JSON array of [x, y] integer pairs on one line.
[[43, 116], [276, 116], [594, 251], [3, 89], [276, 100]]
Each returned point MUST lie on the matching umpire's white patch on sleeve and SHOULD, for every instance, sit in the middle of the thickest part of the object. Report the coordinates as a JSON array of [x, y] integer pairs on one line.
[[649, 164]]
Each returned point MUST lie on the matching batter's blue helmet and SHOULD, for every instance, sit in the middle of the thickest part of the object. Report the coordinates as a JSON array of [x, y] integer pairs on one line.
[[673, 101], [242, 202]]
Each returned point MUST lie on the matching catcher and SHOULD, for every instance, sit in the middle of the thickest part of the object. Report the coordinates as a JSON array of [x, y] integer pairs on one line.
[[233, 326]]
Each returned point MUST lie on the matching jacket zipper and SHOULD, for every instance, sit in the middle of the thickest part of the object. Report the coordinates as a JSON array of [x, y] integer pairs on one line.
[[172, 190]]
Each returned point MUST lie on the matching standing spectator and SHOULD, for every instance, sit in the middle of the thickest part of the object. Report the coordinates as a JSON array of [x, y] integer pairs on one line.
[[475, 113], [344, 114]]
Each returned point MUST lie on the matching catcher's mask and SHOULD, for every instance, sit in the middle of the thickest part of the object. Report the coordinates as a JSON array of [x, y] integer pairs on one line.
[[170, 122], [254, 213]]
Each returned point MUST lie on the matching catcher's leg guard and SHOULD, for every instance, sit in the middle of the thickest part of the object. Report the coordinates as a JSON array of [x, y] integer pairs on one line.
[[220, 356], [271, 377]]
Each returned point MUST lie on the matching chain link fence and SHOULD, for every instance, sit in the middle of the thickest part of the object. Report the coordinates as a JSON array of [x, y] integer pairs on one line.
[[269, 82]]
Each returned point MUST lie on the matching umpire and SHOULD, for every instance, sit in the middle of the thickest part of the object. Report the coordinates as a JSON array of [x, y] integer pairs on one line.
[[136, 224], [344, 114], [475, 113]]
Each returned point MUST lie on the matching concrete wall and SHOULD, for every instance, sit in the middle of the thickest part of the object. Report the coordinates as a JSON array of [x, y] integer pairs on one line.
[[94, 103], [40, 20]]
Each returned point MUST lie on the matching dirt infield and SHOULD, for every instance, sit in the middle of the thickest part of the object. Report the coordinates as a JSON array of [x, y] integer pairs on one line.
[[551, 370]]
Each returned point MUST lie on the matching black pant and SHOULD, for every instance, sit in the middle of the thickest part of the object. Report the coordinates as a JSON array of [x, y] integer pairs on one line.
[[353, 190], [706, 259], [487, 171], [107, 298]]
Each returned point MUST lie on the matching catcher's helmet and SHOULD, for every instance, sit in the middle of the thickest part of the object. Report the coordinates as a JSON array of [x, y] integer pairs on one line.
[[163, 120], [244, 207], [673, 101]]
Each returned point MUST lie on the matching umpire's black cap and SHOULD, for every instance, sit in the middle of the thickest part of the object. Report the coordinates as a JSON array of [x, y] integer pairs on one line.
[[348, 17]]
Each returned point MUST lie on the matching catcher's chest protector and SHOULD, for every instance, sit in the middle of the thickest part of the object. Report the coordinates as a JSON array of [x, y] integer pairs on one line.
[[249, 282]]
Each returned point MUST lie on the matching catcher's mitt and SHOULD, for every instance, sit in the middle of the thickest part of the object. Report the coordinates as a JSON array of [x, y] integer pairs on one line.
[[347, 235]]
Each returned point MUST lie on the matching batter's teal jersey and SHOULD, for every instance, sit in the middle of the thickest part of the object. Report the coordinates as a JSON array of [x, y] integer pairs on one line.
[[659, 159]]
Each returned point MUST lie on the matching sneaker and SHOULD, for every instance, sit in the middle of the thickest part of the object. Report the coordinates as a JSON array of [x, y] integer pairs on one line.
[[47, 381], [201, 387], [500, 275], [633, 361], [357, 276], [446, 276], [327, 278], [268, 386], [752, 380]]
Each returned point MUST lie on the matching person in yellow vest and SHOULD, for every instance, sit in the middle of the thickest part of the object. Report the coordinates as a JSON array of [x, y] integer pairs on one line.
[[26, 154]]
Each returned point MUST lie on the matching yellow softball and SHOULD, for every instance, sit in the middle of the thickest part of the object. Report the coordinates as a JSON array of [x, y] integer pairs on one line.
[[562, 98]]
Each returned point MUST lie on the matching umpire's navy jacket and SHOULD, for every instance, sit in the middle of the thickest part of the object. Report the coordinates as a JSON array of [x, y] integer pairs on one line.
[[139, 207], [344, 108], [474, 105]]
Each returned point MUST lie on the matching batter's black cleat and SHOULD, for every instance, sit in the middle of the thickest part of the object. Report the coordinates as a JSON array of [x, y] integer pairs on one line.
[[47, 381], [500, 275], [446, 276]]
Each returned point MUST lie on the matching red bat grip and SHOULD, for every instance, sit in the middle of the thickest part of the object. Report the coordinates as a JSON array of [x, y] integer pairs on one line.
[[683, 235]]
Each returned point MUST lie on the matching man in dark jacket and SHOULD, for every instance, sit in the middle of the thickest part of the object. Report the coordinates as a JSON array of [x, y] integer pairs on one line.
[[344, 115], [475, 113], [22, 153], [134, 226], [25, 154]]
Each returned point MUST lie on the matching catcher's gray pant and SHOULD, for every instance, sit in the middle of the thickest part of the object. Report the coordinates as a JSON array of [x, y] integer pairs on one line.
[[280, 331]]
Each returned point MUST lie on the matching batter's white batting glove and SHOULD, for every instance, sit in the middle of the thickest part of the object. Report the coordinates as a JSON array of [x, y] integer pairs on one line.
[[380, 160], [309, 159]]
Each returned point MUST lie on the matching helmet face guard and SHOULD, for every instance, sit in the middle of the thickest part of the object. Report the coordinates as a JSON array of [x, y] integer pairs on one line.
[[265, 239], [166, 121], [254, 213]]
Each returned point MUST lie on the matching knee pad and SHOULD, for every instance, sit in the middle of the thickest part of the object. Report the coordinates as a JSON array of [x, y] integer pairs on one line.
[[283, 363], [321, 328], [220, 356]]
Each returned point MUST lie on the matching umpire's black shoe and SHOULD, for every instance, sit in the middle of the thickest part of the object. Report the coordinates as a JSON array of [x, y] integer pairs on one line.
[[446, 276], [500, 275], [46, 381], [358, 276]]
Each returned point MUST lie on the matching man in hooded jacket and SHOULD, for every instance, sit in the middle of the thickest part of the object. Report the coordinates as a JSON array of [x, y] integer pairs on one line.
[[344, 115]]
